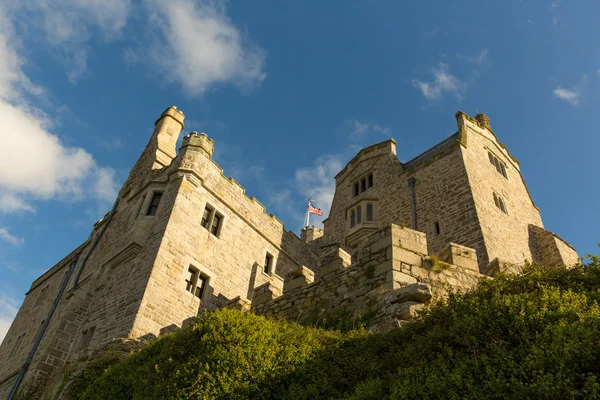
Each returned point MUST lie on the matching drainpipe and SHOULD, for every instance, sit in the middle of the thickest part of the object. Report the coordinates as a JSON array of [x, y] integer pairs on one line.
[[38, 339], [411, 184], [65, 282]]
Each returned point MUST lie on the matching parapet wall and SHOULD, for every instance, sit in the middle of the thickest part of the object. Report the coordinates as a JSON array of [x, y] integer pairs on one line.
[[389, 280], [549, 249]]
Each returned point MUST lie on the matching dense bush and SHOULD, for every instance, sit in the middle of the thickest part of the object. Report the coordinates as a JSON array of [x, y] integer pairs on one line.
[[536, 335]]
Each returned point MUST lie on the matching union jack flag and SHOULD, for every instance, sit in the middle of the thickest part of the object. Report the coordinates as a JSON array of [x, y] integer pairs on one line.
[[314, 210]]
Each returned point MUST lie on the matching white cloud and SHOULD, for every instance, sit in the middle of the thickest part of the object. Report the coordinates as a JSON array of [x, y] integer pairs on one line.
[[317, 181], [10, 203], [199, 46], [443, 82], [8, 311], [571, 96], [68, 25], [35, 164], [362, 129], [554, 12], [566, 95], [477, 59], [13, 240]]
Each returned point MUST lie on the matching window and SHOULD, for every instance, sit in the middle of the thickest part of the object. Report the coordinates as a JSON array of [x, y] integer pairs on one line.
[[201, 286], [86, 338], [154, 204], [352, 218], [362, 184], [499, 201], [214, 229], [268, 264], [206, 217], [358, 215], [500, 167], [196, 282], [17, 345], [437, 227], [211, 220], [369, 212], [41, 296], [191, 280]]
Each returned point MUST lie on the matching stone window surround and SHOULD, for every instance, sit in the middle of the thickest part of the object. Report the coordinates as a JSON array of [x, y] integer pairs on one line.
[[273, 255], [363, 207], [503, 169], [500, 202], [199, 273], [369, 183], [148, 198], [215, 211], [17, 346], [86, 337]]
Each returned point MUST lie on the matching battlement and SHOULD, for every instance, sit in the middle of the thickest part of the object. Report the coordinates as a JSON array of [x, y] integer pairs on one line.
[[311, 233], [196, 142], [390, 276]]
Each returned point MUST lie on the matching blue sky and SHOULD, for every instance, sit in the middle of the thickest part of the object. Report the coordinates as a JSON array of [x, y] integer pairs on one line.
[[289, 91]]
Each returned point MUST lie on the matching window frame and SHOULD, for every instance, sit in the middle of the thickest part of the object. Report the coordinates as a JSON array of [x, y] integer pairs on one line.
[[500, 203], [196, 277], [214, 214], [500, 166], [362, 184], [268, 265], [154, 195]]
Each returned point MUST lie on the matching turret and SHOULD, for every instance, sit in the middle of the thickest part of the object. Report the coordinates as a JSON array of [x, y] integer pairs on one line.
[[166, 132], [196, 142]]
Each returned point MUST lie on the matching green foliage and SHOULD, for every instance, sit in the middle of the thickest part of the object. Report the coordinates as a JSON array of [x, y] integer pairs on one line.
[[535, 335]]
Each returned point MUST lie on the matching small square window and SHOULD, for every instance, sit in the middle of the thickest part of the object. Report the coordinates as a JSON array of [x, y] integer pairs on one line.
[[363, 185], [216, 224], [437, 227], [196, 282], [206, 217], [268, 264], [191, 280], [154, 204], [17, 345], [356, 189], [499, 201], [370, 181], [201, 286]]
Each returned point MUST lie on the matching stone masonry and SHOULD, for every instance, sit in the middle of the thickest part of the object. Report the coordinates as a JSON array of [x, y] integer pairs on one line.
[[182, 238]]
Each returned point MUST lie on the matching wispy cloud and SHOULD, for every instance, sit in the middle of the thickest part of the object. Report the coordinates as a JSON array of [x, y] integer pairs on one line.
[[47, 167], [12, 240], [554, 13], [573, 95], [359, 130], [196, 45], [476, 59], [68, 25], [443, 83], [8, 311]]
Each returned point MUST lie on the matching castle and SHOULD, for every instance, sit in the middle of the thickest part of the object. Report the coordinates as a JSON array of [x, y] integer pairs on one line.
[[182, 237]]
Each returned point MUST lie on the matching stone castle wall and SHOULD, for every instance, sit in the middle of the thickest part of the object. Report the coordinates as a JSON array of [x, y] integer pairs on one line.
[[506, 235], [388, 280], [442, 195]]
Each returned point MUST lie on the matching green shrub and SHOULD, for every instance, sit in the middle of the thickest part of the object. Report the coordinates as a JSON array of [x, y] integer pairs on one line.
[[535, 335]]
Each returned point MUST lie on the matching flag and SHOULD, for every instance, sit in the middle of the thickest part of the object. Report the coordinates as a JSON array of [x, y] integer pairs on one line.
[[314, 210]]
